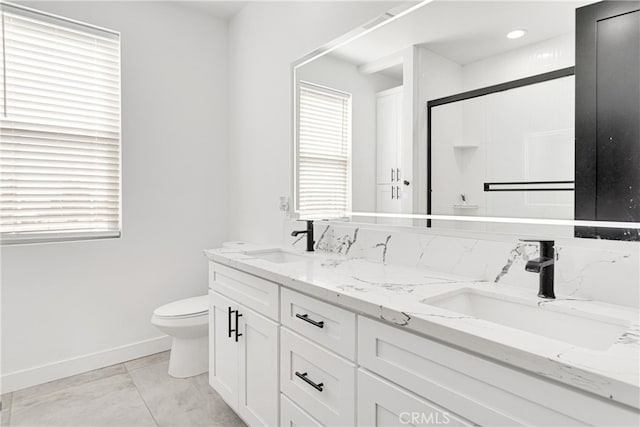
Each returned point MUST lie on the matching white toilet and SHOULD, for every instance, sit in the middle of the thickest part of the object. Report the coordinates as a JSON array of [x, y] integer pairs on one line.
[[187, 321]]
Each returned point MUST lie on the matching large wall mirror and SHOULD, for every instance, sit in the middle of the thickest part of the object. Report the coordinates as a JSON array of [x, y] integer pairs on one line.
[[438, 112]]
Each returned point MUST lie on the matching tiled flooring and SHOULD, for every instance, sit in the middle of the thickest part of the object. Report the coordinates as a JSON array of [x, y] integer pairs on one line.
[[131, 394]]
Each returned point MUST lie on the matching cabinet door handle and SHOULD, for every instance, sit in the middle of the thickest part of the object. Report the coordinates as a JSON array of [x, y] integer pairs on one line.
[[304, 378], [398, 174], [392, 179], [305, 317], [238, 334], [397, 192], [229, 321]]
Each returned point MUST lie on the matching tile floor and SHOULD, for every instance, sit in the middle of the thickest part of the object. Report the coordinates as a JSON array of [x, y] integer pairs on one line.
[[132, 394]]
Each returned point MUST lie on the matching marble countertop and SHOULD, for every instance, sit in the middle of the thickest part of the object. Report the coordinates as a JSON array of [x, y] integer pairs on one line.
[[400, 295]]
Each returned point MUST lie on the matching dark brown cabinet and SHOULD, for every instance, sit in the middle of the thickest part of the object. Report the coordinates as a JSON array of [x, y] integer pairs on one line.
[[607, 186]]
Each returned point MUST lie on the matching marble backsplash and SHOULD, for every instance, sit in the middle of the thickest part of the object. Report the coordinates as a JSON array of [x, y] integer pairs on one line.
[[606, 271]]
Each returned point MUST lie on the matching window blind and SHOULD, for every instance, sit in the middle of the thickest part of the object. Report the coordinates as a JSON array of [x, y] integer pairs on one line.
[[324, 146], [60, 129]]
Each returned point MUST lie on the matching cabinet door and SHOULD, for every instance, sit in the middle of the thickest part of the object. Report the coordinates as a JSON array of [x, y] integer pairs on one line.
[[382, 404], [386, 202], [388, 110], [223, 349], [607, 183], [258, 394]]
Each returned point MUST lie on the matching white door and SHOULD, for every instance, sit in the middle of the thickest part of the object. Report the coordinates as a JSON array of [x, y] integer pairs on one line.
[[223, 349], [388, 135], [383, 404], [388, 201], [259, 391]]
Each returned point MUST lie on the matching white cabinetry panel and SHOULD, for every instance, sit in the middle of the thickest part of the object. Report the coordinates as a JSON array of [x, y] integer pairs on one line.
[[223, 350], [382, 404], [243, 369], [258, 369], [293, 416], [480, 390], [253, 292], [332, 403], [326, 324]]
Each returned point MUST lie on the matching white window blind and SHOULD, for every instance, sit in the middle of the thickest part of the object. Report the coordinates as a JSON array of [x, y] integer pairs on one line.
[[324, 152], [60, 129]]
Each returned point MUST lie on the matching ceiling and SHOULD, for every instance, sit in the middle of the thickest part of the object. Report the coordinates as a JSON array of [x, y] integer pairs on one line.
[[218, 9], [465, 31]]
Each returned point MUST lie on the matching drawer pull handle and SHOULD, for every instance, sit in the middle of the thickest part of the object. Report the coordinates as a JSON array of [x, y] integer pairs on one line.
[[305, 317], [304, 378]]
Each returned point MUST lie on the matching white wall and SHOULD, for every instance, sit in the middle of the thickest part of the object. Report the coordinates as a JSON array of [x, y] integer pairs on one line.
[[537, 58], [437, 77], [264, 40], [338, 74], [67, 300]]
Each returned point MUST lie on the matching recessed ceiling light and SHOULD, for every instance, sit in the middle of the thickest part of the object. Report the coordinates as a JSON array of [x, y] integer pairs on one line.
[[516, 34]]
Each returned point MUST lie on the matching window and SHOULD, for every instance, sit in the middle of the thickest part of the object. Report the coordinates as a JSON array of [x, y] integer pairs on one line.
[[59, 130], [324, 152]]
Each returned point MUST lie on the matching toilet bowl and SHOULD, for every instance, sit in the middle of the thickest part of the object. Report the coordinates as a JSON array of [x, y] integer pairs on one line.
[[187, 322]]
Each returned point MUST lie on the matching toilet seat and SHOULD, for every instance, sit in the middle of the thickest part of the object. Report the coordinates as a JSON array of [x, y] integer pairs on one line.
[[189, 307]]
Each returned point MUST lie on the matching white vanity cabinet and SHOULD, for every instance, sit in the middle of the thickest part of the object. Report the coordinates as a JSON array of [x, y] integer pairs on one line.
[[243, 347], [299, 361], [476, 388]]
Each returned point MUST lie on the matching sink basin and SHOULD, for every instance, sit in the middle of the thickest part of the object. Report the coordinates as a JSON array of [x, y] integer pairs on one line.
[[277, 256], [578, 328]]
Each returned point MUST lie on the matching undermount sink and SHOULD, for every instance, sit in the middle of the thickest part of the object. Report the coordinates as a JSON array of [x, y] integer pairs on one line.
[[580, 329], [277, 256]]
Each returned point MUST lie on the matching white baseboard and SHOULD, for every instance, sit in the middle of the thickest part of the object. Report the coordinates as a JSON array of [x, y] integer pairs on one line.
[[53, 371]]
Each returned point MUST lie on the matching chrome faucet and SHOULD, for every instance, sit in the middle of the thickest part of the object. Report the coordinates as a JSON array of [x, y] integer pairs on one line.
[[544, 265], [309, 233]]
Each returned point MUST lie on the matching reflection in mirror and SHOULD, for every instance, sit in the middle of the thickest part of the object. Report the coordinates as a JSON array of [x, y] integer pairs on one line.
[[504, 151], [508, 152]]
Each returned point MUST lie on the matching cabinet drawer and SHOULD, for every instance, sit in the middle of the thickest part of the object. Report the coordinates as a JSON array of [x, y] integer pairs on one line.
[[475, 388], [328, 325], [251, 291], [291, 415], [382, 404], [320, 382]]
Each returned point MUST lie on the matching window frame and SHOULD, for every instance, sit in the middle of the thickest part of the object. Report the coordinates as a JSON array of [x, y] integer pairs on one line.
[[36, 237]]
